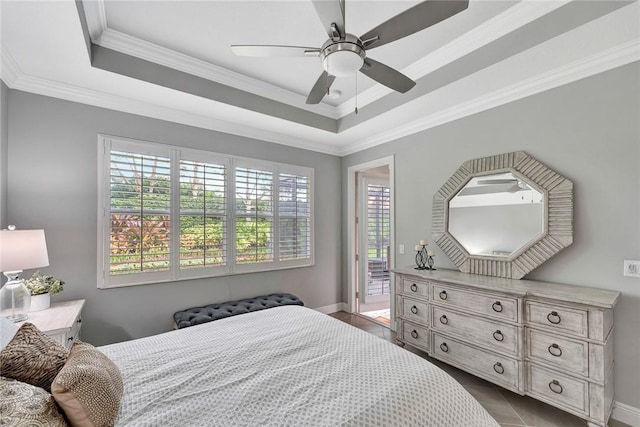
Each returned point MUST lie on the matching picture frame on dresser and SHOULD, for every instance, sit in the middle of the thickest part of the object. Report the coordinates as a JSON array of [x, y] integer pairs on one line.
[[550, 341]]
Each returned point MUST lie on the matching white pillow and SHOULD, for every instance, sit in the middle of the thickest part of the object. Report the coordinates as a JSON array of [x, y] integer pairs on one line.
[[7, 330]]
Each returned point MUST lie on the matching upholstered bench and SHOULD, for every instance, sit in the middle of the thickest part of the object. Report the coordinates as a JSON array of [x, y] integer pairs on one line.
[[197, 315]]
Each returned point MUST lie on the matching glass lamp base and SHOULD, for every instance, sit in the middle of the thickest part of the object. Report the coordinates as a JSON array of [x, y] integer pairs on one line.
[[15, 318], [15, 298]]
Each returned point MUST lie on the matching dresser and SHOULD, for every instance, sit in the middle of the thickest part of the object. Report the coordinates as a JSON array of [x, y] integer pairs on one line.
[[549, 341], [62, 321]]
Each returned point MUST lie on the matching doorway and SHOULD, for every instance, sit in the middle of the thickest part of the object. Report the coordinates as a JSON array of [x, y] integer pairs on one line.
[[370, 188]]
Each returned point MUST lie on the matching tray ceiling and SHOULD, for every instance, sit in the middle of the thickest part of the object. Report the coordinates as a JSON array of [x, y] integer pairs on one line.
[[171, 60]]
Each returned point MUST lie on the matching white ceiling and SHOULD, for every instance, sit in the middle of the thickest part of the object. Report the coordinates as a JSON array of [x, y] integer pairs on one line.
[[492, 53]]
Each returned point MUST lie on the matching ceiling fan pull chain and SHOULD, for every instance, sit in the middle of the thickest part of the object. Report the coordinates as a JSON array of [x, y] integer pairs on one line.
[[328, 75], [356, 76]]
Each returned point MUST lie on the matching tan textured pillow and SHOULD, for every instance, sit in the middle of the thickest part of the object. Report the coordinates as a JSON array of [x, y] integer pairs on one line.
[[88, 387], [23, 404], [32, 357]]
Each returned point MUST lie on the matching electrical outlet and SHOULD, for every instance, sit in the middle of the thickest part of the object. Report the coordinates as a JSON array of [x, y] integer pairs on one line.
[[401, 249], [632, 268]]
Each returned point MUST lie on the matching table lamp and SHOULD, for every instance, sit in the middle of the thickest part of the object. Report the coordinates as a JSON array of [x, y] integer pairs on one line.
[[19, 250]]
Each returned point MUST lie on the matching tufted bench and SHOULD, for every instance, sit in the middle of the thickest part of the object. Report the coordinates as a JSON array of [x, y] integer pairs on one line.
[[197, 315]]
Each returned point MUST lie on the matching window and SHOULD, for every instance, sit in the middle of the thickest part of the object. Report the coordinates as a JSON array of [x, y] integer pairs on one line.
[[169, 213]]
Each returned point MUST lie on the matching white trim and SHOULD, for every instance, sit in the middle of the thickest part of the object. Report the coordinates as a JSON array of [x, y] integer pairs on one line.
[[352, 284], [626, 414], [10, 70], [122, 42], [603, 61], [506, 22], [96, 16], [96, 98], [332, 308]]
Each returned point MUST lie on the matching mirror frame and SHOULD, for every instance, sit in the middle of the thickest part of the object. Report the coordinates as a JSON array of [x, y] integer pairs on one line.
[[558, 225]]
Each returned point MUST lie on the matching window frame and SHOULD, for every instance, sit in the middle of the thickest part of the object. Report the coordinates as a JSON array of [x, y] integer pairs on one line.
[[108, 143]]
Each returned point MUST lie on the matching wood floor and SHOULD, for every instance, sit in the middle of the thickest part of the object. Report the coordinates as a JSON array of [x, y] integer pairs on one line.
[[509, 409]]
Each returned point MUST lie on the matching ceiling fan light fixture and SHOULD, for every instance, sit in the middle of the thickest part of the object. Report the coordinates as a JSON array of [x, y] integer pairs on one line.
[[342, 63], [343, 58]]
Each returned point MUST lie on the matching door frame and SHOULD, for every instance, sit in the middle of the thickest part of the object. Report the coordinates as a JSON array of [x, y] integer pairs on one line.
[[352, 283]]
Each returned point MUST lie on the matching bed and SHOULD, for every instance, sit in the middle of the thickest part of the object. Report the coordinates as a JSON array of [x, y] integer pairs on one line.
[[286, 366]]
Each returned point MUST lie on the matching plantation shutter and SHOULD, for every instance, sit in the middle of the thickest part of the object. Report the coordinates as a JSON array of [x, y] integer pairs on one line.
[[254, 215], [139, 213], [294, 216], [203, 214]]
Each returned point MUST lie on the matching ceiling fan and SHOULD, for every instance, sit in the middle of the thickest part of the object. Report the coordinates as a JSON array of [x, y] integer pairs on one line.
[[344, 54]]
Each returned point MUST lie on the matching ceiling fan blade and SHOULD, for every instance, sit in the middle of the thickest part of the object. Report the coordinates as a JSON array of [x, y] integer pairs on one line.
[[386, 75], [411, 21], [331, 12], [273, 50], [319, 89]]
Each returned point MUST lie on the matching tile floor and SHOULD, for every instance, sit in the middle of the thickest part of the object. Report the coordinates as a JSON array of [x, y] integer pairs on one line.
[[509, 409]]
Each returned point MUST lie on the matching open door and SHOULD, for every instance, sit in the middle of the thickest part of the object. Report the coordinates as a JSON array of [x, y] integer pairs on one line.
[[374, 244]]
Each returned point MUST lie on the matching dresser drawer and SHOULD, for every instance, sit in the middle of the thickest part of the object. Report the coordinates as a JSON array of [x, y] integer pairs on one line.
[[492, 305], [562, 319], [557, 389], [415, 287], [493, 335], [415, 310], [74, 333], [562, 353], [498, 369], [415, 335]]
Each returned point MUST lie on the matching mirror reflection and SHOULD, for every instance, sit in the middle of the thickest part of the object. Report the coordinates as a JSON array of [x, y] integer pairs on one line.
[[496, 215]]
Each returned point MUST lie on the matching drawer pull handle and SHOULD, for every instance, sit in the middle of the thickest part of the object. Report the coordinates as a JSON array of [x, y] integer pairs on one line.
[[443, 294], [498, 335], [414, 309], [555, 350], [555, 387], [79, 321], [555, 316], [414, 287], [414, 334], [70, 339], [498, 368], [497, 307], [444, 320], [444, 347]]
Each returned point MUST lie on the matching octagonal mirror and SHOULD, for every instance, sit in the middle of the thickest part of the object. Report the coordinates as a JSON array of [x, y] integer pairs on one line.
[[503, 215], [496, 215]]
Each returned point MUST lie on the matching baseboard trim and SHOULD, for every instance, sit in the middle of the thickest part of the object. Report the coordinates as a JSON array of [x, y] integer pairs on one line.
[[328, 309], [626, 414]]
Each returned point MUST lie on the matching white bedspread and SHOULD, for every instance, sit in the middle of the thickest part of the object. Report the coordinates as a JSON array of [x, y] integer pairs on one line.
[[286, 366]]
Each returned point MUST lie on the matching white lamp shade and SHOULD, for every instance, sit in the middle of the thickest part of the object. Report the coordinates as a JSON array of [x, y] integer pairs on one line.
[[22, 250]]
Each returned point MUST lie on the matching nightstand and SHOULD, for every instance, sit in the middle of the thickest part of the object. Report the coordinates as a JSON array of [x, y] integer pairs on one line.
[[61, 321]]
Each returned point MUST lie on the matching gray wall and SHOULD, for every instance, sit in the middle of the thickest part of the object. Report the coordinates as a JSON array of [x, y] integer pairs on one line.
[[4, 145], [587, 131], [53, 185]]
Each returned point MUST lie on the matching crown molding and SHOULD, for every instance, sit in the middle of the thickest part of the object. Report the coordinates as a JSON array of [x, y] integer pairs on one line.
[[9, 70], [617, 56], [16, 80], [139, 48], [96, 15], [506, 22]]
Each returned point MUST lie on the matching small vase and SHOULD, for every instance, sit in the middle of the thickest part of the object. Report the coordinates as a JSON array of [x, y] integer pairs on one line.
[[40, 302]]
